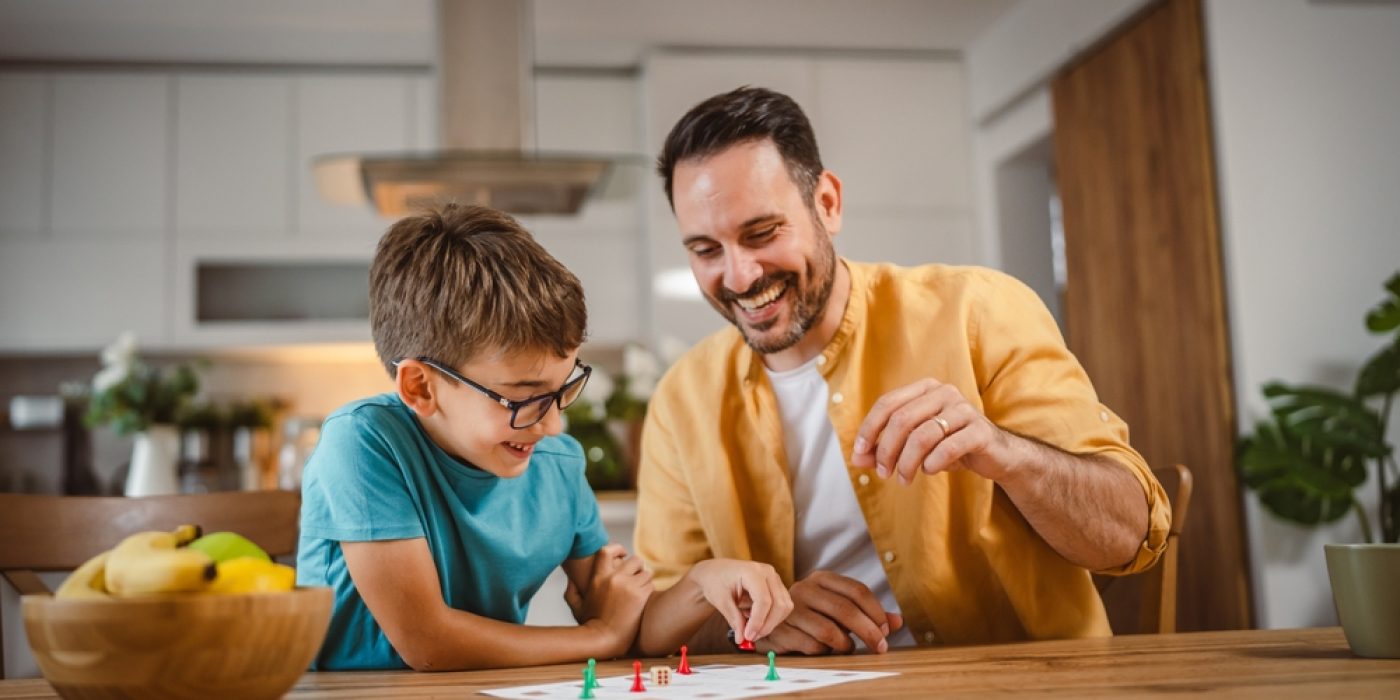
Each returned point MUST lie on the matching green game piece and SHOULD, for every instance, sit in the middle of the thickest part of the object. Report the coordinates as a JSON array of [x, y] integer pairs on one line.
[[587, 693], [772, 667], [592, 673]]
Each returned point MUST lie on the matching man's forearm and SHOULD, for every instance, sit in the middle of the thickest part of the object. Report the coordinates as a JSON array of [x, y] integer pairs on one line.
[[1090, 509]]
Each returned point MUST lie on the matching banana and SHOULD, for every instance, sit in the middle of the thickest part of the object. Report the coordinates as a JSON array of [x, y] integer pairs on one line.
[[86, 581], [152, 562]]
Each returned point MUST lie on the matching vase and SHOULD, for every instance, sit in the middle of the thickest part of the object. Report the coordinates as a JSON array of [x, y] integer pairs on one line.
[[1363, 580], [154, 458]]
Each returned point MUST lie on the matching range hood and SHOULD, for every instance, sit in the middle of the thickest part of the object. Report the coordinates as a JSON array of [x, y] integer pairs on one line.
[[485, 64]]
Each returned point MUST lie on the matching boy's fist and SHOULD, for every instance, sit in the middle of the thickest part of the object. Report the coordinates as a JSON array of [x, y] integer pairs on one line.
[[617, 592]]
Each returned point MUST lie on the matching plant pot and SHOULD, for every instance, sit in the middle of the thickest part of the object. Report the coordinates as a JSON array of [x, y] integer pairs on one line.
[[155, 457], [1364, 580]]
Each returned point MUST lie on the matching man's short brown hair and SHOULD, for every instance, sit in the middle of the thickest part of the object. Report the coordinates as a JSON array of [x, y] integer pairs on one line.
[[462, 280]]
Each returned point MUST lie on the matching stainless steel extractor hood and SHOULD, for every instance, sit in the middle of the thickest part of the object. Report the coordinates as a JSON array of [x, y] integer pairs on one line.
[[486, 101]]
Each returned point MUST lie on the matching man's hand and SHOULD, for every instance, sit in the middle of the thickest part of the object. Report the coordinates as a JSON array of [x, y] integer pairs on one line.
[[928, 426], [827, 609], [617, 592]]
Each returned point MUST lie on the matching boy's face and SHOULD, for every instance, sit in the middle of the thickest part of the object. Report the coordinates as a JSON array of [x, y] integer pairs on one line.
[[471, 427]]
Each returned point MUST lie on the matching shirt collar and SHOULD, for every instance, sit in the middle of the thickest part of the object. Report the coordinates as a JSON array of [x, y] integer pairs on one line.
[[751, 365]]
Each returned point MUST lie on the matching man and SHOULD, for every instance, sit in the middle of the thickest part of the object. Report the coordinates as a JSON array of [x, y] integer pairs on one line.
[[914, 451]]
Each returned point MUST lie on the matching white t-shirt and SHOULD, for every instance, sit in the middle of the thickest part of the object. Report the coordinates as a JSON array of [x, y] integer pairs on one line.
[[831, 532]]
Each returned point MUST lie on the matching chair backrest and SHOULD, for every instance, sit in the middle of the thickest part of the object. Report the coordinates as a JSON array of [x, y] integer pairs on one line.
[[59, 533], [1146, 603]]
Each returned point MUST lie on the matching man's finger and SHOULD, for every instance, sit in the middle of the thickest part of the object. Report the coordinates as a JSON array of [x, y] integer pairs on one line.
[[868, 435], [918, 448], [787, 639], [823, 629], [856, 592], [890, 445]]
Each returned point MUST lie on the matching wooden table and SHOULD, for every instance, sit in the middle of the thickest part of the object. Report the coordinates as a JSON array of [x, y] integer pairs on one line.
[[1310, 663]]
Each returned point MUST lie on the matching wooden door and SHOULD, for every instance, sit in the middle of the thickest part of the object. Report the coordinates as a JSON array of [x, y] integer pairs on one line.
[[1144, 307]]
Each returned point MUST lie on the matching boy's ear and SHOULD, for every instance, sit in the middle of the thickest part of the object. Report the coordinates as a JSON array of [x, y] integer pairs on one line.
[[416, 388]]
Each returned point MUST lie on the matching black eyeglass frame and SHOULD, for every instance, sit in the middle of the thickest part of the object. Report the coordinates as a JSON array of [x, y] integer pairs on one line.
[[557, 397]]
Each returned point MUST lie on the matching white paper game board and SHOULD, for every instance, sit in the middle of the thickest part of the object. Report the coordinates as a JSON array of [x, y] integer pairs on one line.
[[712, 682]]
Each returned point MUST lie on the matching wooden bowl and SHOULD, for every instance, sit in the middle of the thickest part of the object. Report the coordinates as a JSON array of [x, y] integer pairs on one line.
[[201, 646]]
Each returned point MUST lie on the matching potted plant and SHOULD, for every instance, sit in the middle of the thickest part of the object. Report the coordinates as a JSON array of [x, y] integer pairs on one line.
[[1309, 458], [134, 397]]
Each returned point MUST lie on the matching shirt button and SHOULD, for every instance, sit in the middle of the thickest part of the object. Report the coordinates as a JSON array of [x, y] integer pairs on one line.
[[929, 637], [889, 557], [1103, 416], [837, 397], [864, 479], [821, 360]]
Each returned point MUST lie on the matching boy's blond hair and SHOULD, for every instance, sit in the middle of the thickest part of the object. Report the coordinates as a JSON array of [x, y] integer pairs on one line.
[[462, 280]]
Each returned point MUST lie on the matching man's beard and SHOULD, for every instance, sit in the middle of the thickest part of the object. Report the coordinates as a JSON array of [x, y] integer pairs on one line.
[[808, 303]]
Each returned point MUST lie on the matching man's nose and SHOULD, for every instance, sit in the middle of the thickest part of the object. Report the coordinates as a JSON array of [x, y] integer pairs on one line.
[[741, 270]]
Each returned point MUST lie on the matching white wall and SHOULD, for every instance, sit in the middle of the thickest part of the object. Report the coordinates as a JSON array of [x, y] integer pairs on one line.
[[1305, 97]]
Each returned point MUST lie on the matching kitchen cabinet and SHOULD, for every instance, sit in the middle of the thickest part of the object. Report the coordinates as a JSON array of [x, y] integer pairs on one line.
[[111, 156], [24, 118], [234, 168], [347, 114], [893, 127], [79, 295]]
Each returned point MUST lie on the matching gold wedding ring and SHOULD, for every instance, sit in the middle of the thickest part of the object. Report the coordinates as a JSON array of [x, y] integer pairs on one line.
[[943, 423]]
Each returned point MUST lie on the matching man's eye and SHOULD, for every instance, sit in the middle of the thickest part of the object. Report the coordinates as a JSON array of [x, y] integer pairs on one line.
[[707, 252]]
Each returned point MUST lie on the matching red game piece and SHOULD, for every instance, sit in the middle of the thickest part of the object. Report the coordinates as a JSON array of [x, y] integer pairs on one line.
[[746, 644], [637, 686], [684, 668]]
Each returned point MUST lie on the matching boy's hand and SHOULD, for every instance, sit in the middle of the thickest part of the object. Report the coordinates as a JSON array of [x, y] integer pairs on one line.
[[617, 592], [733, 586]]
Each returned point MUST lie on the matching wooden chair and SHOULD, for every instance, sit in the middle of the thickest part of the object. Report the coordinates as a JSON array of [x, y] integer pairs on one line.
[[59, 533], [1146, 603]]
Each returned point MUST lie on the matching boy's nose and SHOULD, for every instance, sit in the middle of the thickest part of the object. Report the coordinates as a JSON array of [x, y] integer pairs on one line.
[[552, 423]]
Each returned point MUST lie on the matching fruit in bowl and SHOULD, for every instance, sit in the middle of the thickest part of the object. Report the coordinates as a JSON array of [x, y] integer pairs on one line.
[[153, 618]]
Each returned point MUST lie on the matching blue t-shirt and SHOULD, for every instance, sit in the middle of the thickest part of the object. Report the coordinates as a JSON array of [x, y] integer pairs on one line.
[[376, 475]]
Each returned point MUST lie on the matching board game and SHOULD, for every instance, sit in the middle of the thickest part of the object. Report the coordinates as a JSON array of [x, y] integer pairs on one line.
[[712, 682]]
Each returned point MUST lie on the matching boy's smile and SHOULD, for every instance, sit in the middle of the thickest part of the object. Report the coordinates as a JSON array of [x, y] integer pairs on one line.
[[476, 428]]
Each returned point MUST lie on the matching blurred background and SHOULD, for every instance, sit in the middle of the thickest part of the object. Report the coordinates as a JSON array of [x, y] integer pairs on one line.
[[1204, 192]]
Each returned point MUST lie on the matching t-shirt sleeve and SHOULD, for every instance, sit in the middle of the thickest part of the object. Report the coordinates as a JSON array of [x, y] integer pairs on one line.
[[353, 489], [589, 533]]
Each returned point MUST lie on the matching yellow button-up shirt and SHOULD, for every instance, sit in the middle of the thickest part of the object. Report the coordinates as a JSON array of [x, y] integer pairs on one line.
[[964, 565]]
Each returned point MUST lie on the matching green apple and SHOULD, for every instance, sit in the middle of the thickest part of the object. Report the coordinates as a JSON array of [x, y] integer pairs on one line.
[[223, 546]]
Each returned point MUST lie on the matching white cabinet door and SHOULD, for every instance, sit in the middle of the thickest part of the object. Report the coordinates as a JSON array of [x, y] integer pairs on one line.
[[339, 114], [234, 163], [111, 176], [79, 295], [24, 118], [675, 82]]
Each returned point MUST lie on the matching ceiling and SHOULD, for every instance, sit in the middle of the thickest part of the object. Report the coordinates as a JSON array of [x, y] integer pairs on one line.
[[595, 33]]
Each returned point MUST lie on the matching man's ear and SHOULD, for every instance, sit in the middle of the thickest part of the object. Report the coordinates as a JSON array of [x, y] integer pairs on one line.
[[827, 199], [416, 388]]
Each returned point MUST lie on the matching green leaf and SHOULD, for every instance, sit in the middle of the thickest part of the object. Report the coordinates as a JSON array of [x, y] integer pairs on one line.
[[1327, 419], [1300, 479], [1386, 316], [1380, 375]]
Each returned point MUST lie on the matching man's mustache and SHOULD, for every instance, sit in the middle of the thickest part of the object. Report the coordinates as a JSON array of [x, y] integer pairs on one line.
[[760, 284]]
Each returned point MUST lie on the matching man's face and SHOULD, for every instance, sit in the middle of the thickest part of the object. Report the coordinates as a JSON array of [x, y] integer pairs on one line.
[[758, 250]]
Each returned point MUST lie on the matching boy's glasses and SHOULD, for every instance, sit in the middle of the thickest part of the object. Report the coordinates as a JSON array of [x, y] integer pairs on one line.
[[526, 412]]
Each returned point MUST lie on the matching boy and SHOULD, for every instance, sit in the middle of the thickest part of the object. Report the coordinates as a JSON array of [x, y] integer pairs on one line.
[[435, 512]]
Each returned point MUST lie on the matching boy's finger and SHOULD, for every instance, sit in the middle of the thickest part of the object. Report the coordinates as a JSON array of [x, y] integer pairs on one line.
[[762, 603], [731, 614]]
